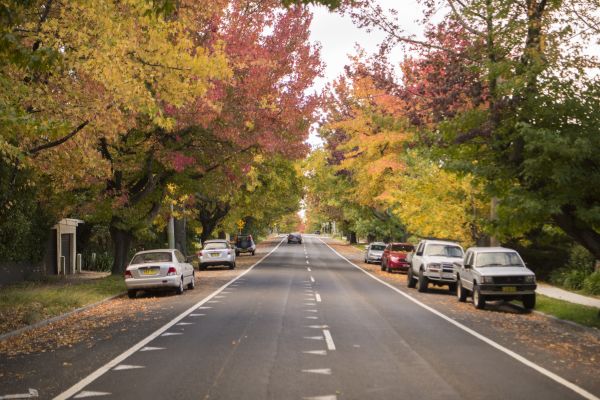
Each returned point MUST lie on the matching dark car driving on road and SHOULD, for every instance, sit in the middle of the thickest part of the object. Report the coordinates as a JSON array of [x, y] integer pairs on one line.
[[294, 238]]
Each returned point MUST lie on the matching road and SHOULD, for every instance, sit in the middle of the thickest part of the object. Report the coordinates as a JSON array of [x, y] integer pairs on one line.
[[306, 324]]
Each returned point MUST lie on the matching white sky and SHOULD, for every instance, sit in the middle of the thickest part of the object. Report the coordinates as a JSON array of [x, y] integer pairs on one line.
[[338, 37]]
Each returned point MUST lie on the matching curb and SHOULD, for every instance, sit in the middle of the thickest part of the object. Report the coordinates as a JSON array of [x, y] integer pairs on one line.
[[57, 318]]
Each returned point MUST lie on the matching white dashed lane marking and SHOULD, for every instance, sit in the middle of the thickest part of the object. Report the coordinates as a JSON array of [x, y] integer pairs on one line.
[[308, 268], [328, 339], [318, 297], [203, 308], [311, 317], [171, 334], [185, 323], [123, 367], [328, 397], [197, 315], [150, 348], [316, 352], [314, 337], [312, 279], [89, 393], [320, 371]]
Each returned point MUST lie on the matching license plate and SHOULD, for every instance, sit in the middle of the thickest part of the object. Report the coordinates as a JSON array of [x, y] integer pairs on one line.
[[149, 271], [509, 289], [215, 254]]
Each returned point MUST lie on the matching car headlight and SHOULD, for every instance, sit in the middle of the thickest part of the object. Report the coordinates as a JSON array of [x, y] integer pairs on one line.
[[487, 279], [433, 265], [530, 279]]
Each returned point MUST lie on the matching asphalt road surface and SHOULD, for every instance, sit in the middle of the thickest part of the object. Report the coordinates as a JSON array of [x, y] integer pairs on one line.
[[306, 324]]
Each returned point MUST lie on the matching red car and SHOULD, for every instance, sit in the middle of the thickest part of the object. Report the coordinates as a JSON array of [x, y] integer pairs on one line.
[[395, 257]]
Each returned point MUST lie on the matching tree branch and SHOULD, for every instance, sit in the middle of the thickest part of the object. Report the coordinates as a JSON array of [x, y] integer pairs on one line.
[[60, 141]]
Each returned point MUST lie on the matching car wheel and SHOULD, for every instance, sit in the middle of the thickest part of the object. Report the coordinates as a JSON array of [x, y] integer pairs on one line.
[[410, 280], [253, 252], [529, 301], [478, 298], [383, 266], [422, 282], [179, 289], [232, 265], [192, 284], [452, 287], [132, 294], [461, 294], [202, 267]]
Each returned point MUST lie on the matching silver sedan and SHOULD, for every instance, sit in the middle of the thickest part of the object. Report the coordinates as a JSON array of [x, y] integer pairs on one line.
[[159, 269]]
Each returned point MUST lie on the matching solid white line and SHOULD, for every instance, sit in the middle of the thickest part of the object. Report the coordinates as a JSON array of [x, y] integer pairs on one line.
[[117, 360], [318, 297], [328, 339], [579, 390]]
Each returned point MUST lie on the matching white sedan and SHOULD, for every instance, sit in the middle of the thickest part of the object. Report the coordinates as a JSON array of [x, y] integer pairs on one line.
[[159, 269]]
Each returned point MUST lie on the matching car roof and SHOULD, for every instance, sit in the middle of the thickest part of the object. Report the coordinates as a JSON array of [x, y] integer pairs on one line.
[[156, 251], [216, 241], [441, 242], [376, 243], [403, 243], [491, 249]]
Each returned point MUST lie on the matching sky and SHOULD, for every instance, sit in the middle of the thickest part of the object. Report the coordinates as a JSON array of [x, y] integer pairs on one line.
[[338, 37]]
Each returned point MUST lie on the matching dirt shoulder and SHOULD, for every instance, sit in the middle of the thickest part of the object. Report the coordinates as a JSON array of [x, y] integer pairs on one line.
[[568, 350], [53, 357]]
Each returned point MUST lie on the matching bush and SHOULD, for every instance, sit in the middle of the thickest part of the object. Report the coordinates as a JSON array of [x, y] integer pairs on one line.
[[591, 284], [579, 267]]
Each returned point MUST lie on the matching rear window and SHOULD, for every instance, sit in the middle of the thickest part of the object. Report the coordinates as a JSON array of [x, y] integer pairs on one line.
[[402, 247], [216, 245], [146, 258], [378, 247]]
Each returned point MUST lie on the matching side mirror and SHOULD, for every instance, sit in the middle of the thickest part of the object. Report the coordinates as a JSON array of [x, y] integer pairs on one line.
[[419, 253], [468, 266]]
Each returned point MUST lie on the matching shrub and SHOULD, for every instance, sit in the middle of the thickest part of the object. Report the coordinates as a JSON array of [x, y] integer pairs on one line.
[[592, 283], [578, 268]]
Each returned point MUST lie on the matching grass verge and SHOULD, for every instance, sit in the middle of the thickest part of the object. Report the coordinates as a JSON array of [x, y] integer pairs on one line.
[[27, 303], [583, 315]]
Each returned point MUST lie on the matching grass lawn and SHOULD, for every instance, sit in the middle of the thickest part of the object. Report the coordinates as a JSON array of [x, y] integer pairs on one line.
[[26, 303], [583, 315]]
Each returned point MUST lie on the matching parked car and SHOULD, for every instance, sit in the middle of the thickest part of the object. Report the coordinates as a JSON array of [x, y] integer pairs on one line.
[[396, 257], [244, 244], [217, 252], [495, 273], [434, 262], [159, 269], [373, 252], [294, 238]]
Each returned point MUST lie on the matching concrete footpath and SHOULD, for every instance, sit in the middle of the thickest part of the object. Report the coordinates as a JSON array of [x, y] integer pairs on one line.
[[561, 294]]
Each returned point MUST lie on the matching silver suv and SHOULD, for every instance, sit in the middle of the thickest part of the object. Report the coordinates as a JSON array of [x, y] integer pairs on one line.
[[495, 273], [433, 262]]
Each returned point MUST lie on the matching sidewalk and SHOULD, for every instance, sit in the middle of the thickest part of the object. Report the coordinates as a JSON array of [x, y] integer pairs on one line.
[[557, 293]]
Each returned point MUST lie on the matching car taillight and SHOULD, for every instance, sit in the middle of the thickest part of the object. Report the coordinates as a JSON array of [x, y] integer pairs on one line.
[[128, 274], [171, 271]]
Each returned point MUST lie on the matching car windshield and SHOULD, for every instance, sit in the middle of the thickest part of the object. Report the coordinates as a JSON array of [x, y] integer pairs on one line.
[[499, 259], [379, 247], [215, 245], [146, 258], [402, 247], [444, 250]]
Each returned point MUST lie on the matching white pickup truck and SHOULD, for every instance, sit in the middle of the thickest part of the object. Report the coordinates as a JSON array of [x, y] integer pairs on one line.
[[433, 262]]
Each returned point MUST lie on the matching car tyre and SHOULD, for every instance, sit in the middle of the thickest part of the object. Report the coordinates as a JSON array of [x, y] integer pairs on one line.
[[192, 284], [529, 301], [461, 293], [422, 282], [253, 252], [452, 287], [232, 265], [132, 294], [383, 267], [410, 280], [478, 298], [202, 267], [179, 289]]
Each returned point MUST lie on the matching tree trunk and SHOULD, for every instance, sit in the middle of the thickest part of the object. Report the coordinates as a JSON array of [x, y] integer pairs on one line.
[[578, 230], [181, 235], [352, 237], [121, 244], [370, 238]]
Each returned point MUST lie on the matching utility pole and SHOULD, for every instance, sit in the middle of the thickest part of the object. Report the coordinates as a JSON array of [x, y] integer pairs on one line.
[[171, 230], [493, 216]]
